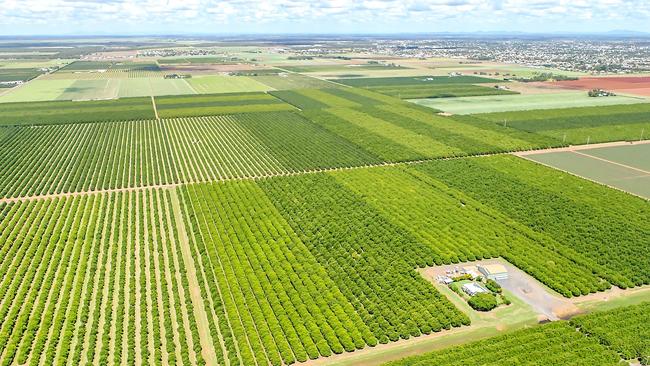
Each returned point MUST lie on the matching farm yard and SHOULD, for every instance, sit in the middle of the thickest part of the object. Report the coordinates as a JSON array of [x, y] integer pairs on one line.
[[258, 205]]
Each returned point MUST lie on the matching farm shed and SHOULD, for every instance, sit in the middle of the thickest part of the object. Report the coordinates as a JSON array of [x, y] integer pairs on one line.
[[472, 289], [494, 271]]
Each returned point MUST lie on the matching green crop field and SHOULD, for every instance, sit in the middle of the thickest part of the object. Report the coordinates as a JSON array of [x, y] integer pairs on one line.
[[580, 125], [218, 104], [625, 330], [84, 66], [582, 217], [285, 81], [91, 89], [60, 112], [417, 80], [96, 279], [226, 84], [504, 103], [399, 132], [193, 60], [439, 91], [290, 204], [342, 67], [37, 90], [109, 155], [601, 339], [23, 74], [140, 87], [624, 167], [338, 252]]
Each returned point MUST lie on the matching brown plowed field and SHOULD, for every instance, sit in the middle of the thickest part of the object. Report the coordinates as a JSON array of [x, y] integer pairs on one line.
[[624, 84]]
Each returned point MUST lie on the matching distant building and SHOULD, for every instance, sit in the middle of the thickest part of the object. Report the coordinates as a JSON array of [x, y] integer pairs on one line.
[[494, 271], [473, 288], [11, 83], [445, 280], [177, 76]]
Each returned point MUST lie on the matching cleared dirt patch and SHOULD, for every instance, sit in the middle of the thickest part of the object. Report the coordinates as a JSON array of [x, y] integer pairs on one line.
[[637, 85]]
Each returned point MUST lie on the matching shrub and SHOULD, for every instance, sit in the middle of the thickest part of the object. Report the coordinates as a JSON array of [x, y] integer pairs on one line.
[[483, 302], [493, 286]]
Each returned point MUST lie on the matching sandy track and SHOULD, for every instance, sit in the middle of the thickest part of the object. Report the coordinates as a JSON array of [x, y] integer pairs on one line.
[[195, 293]]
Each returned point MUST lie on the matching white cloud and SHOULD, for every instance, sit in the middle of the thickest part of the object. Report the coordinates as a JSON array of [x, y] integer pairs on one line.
[[470, 14]]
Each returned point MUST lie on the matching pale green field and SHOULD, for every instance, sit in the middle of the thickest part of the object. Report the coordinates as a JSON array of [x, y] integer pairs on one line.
[[504, 103], [359, 73], [226, 84], [70, 89], [28, 64], [292, 81], [168, 86], [91, 89], [142, 87], [37, 90]]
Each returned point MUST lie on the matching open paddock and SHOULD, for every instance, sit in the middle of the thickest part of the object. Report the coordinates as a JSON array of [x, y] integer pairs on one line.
[[622, 166], [226, 84]]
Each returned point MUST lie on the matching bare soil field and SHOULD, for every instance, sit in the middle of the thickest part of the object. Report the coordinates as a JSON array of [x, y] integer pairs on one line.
[[638, 85]]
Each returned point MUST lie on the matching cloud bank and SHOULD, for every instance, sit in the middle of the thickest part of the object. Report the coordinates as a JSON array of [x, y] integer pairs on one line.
[[318, 16]]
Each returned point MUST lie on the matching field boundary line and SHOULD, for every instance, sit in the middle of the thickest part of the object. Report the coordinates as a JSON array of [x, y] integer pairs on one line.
[[155, 110], [612, 162], [331, 81]]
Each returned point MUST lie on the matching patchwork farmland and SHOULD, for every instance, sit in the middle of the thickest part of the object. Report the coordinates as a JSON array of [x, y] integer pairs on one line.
[[266, 215]]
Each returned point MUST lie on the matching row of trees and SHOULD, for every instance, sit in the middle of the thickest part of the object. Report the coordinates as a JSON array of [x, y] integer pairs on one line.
[[625, 330], [562, 214], [546, 345], [280, 305], [600, 338], [62, 256], [80, 157], [368, 258]]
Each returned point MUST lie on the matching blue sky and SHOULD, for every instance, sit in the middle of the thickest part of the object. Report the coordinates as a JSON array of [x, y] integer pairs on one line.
[[45, 17]]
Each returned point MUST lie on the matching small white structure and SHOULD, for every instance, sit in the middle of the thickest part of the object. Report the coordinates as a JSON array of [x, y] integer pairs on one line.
[[494, 271], [470, 270], [445, 280], [473, 288]]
